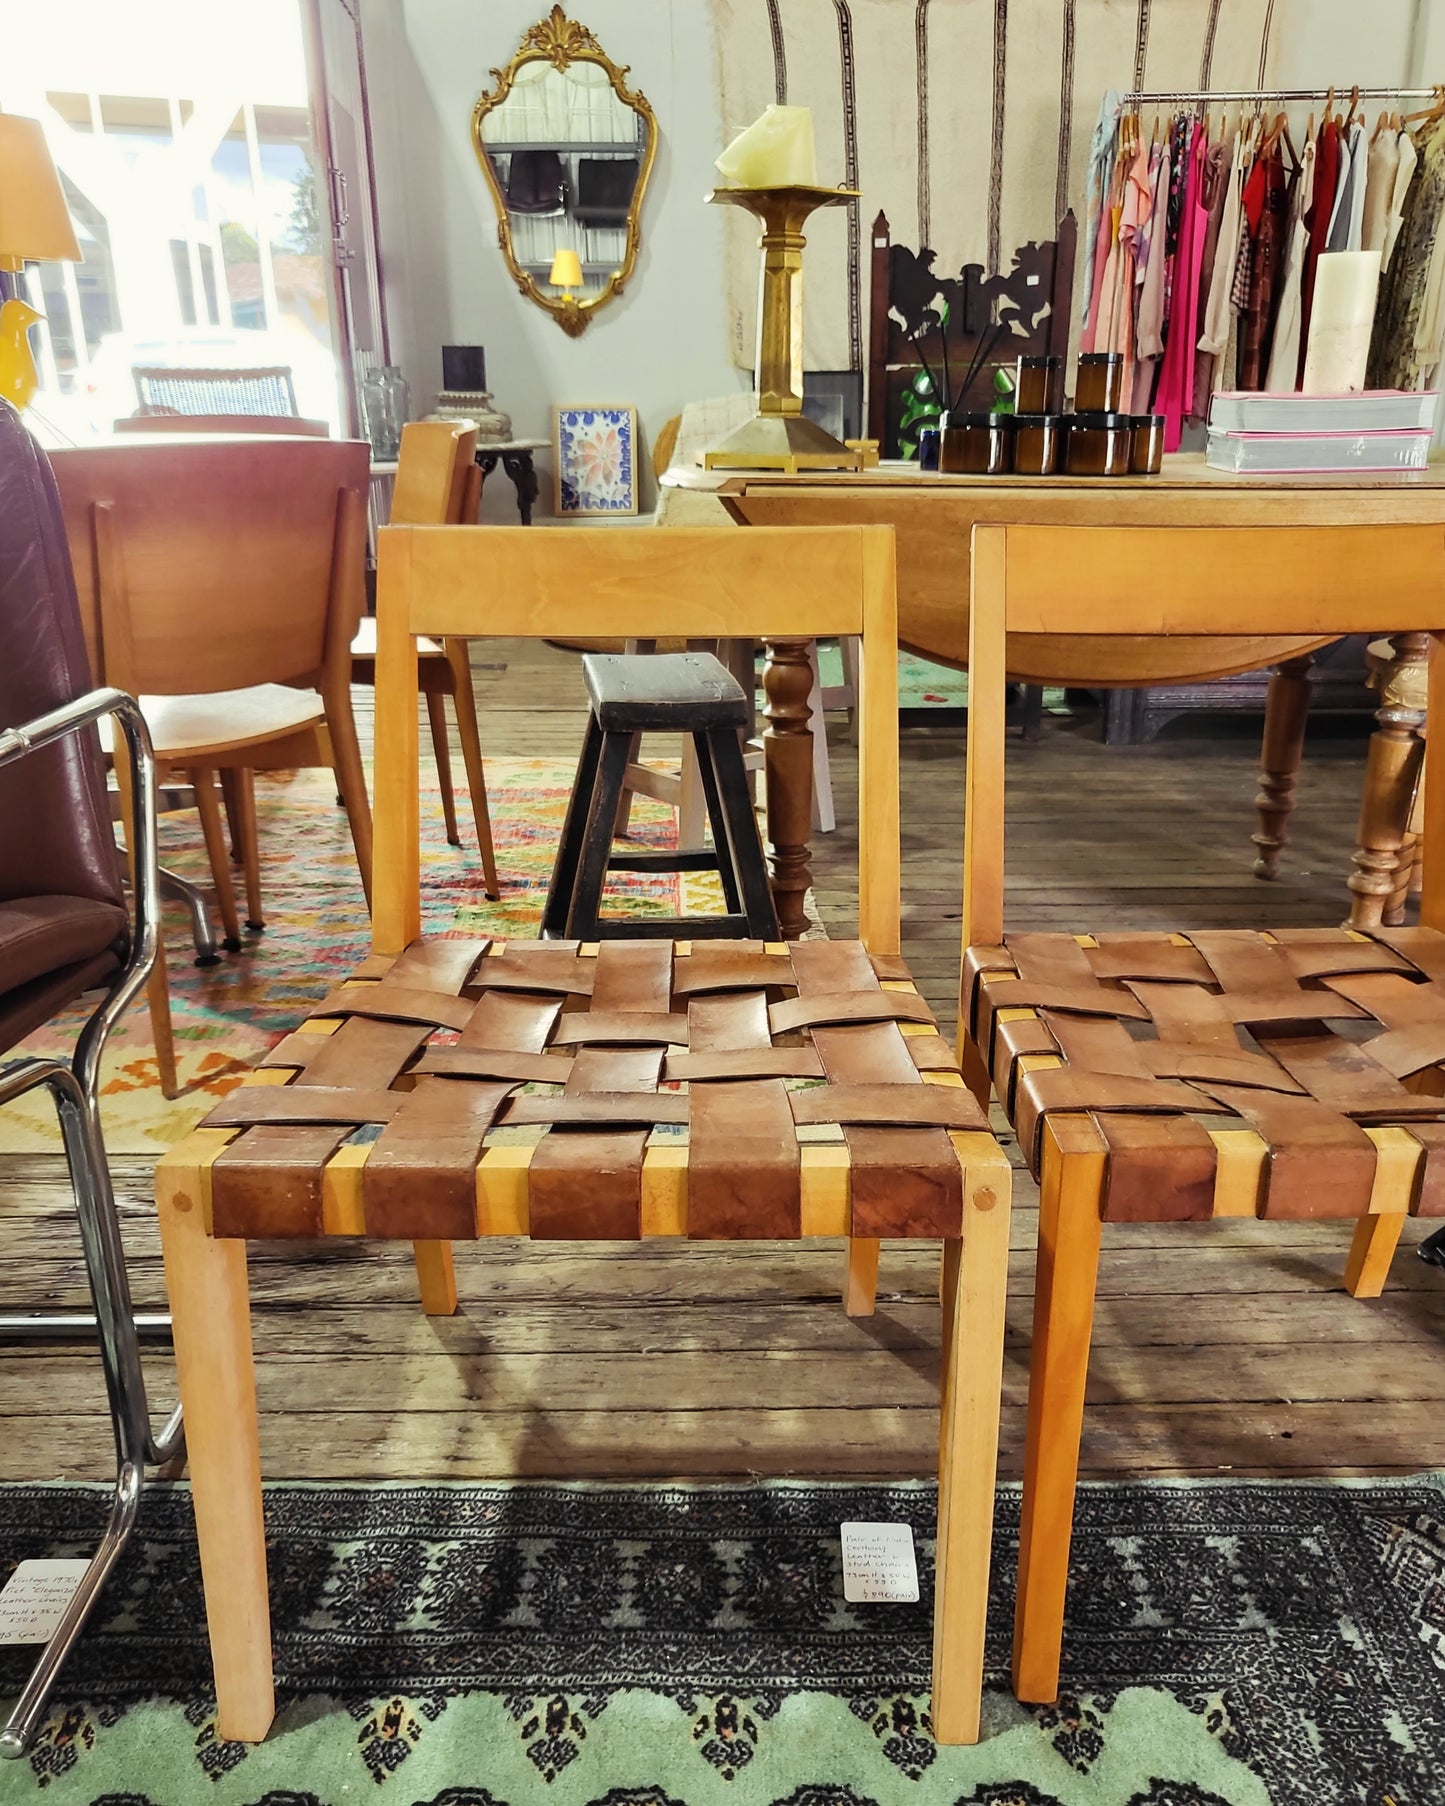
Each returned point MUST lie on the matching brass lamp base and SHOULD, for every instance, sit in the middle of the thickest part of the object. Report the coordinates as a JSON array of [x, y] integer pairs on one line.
[[786, 442]]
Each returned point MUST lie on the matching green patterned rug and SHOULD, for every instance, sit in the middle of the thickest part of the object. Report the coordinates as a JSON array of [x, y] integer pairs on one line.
[[1229, 1644]]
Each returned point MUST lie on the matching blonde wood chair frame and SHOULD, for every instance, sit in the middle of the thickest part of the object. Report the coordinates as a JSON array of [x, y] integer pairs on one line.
[[448, 581], [1320, 581]]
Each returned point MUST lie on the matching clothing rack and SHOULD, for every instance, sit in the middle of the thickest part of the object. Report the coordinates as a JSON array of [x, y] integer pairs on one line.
[[1239, 96]]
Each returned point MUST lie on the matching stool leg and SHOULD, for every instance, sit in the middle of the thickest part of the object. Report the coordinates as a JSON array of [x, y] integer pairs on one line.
[[569, 848], [582, 921], [744, 841], [624, 808], [722, 844]]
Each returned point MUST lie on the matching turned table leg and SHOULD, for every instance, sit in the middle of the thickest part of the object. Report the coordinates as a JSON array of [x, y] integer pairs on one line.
[[1390, 775], [788, 778], [1286, 709]]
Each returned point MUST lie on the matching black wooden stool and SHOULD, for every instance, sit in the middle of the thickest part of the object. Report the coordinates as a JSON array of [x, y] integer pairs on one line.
[[673, 692]]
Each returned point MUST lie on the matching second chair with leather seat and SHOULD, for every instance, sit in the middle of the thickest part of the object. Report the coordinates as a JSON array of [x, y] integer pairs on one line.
[[1181, 1077]]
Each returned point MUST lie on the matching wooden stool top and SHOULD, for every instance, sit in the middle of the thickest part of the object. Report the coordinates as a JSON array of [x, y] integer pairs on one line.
[[735, 1089], [679, 691]]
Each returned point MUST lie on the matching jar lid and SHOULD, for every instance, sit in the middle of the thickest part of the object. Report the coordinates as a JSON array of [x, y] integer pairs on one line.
[[1037, 420], [1040, 363], [1151, 420], [1100, 422], [978, 419], [1101, 357]]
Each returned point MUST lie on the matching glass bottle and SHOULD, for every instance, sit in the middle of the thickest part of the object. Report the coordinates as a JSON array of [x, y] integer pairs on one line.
[[385, 400]]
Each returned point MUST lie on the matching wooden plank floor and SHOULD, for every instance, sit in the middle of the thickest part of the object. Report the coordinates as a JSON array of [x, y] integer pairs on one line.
[[1220, 1348]]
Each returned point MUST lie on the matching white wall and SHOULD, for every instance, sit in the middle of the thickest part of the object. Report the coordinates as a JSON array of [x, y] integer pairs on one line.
[[662, 342]]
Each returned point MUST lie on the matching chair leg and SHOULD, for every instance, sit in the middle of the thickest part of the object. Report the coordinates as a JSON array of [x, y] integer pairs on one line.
[[351, 781], [975, 1287], [206, 1280], [860, 1279], [436, 715], [208, 807], [1371, 1251], [1286, 710], [467, 732], [233, 813], [242, 811], [436, 1278], [1070, 1229], [158, 1000]]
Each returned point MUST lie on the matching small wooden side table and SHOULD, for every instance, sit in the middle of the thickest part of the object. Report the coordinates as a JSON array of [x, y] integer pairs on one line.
[[515, 457]]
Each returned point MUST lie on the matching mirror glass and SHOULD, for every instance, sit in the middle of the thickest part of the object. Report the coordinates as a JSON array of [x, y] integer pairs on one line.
[[566, 148]]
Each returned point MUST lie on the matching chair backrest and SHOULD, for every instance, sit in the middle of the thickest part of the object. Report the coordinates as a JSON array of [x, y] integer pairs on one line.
[[781, 583], [224, 423], [438, 482], [55, 831], [264, 389], [1214, 582], [214, 564]]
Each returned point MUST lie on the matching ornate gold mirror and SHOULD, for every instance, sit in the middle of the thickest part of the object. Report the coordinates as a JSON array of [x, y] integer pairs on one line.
[[566, 147]]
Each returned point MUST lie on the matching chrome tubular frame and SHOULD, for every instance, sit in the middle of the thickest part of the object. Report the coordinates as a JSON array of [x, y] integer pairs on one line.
[[74, 1086]]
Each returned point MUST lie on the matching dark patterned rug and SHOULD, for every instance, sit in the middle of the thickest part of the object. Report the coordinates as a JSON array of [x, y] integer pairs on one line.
[[1239, 1644]]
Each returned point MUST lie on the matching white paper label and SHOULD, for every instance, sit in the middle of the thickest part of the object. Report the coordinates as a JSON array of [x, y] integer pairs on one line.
[[879, 1567], [33, 1600]]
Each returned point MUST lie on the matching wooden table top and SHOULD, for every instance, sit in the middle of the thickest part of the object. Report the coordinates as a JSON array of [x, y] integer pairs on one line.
[[933, 517]]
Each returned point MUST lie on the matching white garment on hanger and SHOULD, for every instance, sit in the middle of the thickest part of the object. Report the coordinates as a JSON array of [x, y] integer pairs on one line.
[[1359, 184], [1404, 170], [1384, 160], [1283, 372], [1338, 233]]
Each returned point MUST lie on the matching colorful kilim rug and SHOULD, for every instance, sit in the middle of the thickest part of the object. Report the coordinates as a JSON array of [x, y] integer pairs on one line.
[[228, 1015], [1229, 1644]]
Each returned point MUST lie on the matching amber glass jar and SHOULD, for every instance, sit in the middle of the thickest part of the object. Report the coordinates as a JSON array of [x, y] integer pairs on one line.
[[976, 445], [1146, 449], [1099, 385], [1098, 445], [1038, 385], [1036, 444]]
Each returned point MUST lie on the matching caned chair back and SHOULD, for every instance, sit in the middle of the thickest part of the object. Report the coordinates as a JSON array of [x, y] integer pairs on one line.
[[286, 424], [264, 389], [689, 583], [1204, 581], [217, 563]]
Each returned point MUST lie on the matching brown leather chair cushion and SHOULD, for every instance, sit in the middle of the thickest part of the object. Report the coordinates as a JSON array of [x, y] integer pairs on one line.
[[31, 1006], [41, 935], [56, 837]]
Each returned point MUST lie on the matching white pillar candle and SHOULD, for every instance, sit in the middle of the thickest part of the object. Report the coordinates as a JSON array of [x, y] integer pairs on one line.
[[776, 151], [1341, 320]]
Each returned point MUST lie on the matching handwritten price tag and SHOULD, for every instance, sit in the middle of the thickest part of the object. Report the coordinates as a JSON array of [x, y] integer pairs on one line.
[[879, 1566], [33, 1600]]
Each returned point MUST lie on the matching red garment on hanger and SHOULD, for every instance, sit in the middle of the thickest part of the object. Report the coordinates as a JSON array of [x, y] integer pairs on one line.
[[1176, 379], [1317, 222]]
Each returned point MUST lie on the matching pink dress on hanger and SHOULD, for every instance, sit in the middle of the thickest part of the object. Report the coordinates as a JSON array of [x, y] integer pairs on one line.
[[1176, 378]]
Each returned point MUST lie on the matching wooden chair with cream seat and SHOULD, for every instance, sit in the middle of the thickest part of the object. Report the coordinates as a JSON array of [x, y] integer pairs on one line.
[[1182, 1077], [897, 1147], [437, 483], [221, 581]]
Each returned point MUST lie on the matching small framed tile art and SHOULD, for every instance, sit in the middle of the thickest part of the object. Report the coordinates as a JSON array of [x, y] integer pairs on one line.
[[596, 462]]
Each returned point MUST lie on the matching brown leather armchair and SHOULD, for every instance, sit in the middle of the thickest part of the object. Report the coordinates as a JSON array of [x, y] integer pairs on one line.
[[65, 930]]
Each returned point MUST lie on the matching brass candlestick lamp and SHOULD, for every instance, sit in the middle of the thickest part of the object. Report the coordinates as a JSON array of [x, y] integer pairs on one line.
[[778, 437]]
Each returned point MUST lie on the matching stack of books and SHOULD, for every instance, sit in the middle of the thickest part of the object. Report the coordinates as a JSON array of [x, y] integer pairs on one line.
[[1378, 429]]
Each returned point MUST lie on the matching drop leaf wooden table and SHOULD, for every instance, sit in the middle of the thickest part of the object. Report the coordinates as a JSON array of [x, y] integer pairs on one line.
[[934, 517]]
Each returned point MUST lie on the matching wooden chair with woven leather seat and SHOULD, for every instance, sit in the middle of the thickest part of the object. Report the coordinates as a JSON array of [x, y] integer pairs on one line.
[[889, 1144], [221, 581], [1181, 1077]]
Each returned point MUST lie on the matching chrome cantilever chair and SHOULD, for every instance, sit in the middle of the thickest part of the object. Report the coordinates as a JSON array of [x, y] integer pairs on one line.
[[65, 931]]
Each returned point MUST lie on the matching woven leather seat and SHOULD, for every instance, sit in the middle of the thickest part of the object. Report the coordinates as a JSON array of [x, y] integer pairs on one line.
[[612, 1091], [1306, 1036]]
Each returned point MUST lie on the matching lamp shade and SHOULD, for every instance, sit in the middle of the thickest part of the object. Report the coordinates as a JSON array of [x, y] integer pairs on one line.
[[566, 270], [34, 219]]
